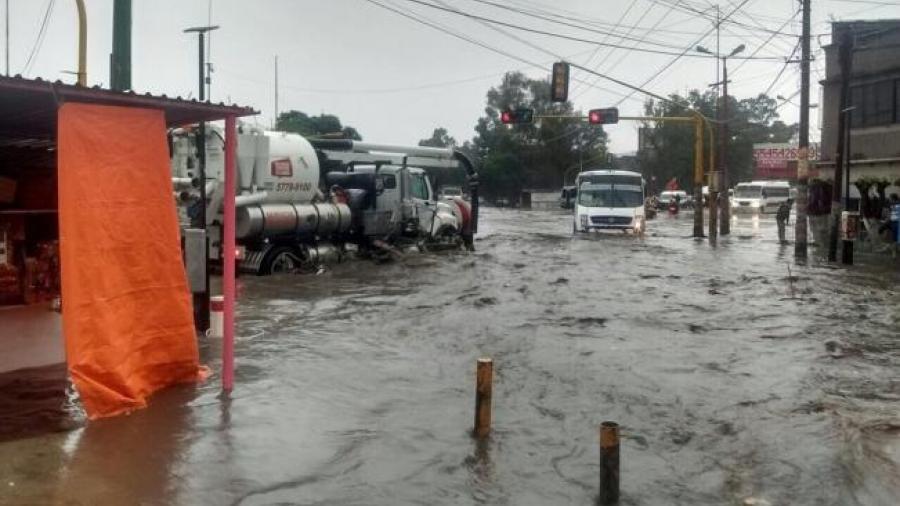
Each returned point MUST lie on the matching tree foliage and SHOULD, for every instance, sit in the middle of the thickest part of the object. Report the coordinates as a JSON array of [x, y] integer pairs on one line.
[[539, 155], [667, 148], [315, 126], [440, 138]]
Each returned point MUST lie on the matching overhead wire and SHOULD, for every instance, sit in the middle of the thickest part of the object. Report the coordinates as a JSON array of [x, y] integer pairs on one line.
[[696, 11], [783, 68], [598, 48], [753, 18], [606, 33], [559, 35], [571, 64], [486, 46], [626, 53], [689, 48], [39, 41], [767, 41]]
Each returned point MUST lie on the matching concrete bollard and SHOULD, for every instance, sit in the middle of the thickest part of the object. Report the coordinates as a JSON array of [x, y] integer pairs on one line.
[[484, 377], [609, 463], [217, 316]]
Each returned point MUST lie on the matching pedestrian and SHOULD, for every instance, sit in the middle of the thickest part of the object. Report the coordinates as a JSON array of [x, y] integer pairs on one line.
[[784, 212]]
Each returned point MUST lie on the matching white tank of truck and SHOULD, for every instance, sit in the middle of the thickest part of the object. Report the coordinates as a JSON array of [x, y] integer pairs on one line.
[[291, 173]]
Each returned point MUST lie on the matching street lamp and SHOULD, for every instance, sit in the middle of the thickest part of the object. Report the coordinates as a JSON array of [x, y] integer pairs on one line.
[[201, 300], [722, 127]]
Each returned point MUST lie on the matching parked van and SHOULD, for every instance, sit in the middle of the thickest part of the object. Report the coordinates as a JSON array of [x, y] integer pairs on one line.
[[761, 196], [609, 200]]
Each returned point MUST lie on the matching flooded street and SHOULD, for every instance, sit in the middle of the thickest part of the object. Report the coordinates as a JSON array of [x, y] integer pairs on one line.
[[732, 376]]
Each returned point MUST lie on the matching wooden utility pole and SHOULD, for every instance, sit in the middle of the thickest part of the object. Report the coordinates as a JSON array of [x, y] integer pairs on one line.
[[800, 252], [845, 60]]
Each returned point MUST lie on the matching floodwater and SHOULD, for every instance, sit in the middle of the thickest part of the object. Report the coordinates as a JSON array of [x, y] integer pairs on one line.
[[737, 376]]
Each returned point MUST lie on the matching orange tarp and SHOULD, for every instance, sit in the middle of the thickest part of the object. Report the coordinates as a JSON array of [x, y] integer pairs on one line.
[[127, 315]]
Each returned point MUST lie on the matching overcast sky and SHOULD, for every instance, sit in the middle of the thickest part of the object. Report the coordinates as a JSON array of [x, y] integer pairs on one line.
[[395, 79]]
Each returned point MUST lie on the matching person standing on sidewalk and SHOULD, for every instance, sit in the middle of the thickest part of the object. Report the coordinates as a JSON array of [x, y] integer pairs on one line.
[[784, 213]]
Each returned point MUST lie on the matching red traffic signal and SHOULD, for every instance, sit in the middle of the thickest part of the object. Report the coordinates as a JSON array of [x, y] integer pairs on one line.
[[603, 116], [517, 116]]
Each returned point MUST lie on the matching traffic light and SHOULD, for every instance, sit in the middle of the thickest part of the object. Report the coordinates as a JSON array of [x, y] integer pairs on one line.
[[523, 115], [603, 116], [559, 84]]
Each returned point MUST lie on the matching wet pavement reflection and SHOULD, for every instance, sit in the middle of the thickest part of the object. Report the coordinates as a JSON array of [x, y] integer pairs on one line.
[[734, 373]]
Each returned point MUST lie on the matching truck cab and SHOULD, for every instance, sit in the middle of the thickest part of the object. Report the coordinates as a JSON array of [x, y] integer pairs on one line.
[[404, 203]]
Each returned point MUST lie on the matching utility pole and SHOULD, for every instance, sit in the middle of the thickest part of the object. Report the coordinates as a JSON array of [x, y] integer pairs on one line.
[[847, 250], [201, 300], [724, 201], [7, 36], [275, 122], [120, 59], [698, 175], [845, 60], [800, 252]]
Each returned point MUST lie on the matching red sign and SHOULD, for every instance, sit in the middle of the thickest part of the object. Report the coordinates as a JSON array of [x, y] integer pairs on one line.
[[282, 168], [778, 161]]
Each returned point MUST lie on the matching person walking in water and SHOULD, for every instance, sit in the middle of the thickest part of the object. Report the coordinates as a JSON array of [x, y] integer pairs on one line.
[[784, 213]]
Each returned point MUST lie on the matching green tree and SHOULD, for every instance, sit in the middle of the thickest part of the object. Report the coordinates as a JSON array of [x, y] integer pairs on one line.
[[667, 148], [539, 155], [314, 126], [440, 138]]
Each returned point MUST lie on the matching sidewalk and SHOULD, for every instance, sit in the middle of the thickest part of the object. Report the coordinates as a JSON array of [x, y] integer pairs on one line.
[[31, 336]]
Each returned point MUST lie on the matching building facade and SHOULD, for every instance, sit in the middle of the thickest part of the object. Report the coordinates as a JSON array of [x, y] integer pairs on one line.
[[874, 100]]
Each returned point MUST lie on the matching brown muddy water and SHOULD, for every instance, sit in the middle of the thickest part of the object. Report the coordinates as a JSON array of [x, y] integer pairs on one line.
[[732, 381]]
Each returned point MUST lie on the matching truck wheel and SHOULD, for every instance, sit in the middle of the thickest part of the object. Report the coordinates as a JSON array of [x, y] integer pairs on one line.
[[279, 260]]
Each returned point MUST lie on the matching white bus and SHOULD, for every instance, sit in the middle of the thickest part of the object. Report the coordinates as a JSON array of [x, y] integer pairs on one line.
[[609, 200], [760, 196]]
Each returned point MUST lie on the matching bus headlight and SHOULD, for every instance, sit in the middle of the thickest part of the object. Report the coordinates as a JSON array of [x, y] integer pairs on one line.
[[584, 221]]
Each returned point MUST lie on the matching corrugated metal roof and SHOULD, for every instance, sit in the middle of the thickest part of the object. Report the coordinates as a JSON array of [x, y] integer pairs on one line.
[[28, 107]]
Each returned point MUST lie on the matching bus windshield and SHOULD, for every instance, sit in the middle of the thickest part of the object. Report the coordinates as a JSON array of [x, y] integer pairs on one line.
[[750, 191], [600, 191]]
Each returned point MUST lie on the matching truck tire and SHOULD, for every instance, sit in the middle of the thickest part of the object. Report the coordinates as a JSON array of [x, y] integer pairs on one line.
[[279, 260]]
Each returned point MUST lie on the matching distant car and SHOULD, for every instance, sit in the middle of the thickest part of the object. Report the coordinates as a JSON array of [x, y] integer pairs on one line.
[[451, 192], [669, 195]]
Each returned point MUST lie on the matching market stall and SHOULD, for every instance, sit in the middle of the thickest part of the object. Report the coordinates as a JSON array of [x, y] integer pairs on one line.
[[88, 228]]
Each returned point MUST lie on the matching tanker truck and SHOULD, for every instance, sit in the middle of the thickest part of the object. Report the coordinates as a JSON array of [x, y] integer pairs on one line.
[[372, 200]]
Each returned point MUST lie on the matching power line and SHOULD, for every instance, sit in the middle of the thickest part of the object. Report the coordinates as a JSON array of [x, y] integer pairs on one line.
[[573, 65], [559, 35], [39, 41], [689, 48], [606, 34], [697, 12], [766, 41], [469, 39], [597, 49], [580, 18], [781, 72], [622, 58], [869, 2]]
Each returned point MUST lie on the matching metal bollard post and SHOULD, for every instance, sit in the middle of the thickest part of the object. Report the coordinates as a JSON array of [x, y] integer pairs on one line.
[[483, 391], [609, 463]]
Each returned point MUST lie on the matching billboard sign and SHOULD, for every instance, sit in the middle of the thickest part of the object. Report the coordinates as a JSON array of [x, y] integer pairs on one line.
[[779, 160]]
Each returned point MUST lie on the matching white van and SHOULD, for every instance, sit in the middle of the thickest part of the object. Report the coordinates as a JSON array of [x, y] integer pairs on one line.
[[609, 200], [760, 196]]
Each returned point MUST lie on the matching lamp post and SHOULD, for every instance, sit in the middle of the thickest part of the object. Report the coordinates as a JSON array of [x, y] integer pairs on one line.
[[722, 129], [201, 300]]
